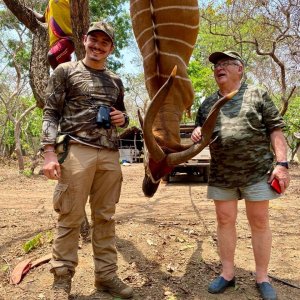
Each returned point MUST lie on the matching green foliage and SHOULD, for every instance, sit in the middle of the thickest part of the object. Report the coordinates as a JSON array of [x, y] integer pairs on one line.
[[106, 8], [34, 243], [18, 54], [38, 241], [4, 268], [27, 173], [134, 123], [35, 122], [49, 236], [202, 78], [40, 5], [15, 41], [22, 57], [292, 120], [293, 114], [116, 13], [31, 128]]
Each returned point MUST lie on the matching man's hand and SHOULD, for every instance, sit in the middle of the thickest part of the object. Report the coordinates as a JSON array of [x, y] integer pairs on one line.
[[38, 16], [280, 149], [51, 167], [117, 117], [196, 135], [282, 174]]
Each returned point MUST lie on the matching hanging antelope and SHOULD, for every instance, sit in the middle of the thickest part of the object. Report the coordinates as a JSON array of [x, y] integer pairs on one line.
[[166, 32]]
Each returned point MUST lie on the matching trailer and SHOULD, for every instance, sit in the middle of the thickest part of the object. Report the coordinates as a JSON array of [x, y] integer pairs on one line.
[[131, 145]]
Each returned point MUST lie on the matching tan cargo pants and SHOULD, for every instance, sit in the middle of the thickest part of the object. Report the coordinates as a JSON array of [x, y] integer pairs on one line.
[[94, 173]]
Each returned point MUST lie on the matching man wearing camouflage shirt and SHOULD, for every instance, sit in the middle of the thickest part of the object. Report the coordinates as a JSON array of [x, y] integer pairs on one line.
[[242, 166], [91, 168]]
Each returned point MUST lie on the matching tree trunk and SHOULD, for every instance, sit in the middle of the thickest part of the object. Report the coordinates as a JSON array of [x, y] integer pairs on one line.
[[295, 151], [18, 148], [80, 22], [39, 66], [17, 136]]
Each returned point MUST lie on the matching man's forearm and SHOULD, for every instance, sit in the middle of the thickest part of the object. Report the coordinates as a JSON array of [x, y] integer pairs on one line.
[[49, 132], [39, 16], [279, 144]]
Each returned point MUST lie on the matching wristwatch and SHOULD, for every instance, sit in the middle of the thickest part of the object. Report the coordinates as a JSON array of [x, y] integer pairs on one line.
[[283, 163]]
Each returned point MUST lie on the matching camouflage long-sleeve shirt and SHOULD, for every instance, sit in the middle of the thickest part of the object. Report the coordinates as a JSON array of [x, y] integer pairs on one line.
[[241, 152], [73, 97]]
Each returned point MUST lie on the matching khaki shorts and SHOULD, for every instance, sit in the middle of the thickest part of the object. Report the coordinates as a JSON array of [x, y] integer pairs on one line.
[[259, 191]]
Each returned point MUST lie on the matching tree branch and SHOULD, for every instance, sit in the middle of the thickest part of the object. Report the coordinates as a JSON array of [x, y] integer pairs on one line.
[[23, 14]]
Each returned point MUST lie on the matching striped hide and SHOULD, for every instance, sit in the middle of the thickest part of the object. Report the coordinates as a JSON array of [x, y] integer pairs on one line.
[[166, 32]]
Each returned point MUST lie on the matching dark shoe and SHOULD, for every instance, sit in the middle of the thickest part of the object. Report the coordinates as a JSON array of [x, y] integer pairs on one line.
[[220, 284], [116, 287], [62, 284], [266, 290]]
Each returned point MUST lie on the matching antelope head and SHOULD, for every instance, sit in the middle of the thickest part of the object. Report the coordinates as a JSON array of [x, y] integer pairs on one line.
[[166, 32]]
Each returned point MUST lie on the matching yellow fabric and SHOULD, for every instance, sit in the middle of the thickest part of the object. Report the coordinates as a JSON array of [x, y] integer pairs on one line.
[[59, 20]]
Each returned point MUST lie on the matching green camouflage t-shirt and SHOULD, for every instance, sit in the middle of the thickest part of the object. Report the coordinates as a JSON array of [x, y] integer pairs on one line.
[[73, 97], [241, 152]]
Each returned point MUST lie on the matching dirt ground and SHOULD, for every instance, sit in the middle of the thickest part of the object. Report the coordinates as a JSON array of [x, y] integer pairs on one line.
[[166, 244]]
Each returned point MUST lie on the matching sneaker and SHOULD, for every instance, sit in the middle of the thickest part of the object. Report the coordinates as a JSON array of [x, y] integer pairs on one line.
[[116, 287], [220, 284], [266, 291], [61, 286]]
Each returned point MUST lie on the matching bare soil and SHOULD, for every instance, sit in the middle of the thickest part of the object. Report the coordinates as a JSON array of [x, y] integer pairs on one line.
[[166, 244]]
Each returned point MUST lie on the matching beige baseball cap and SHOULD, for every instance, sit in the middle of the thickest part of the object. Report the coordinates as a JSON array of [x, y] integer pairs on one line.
[[216, 56], [102, 26]]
